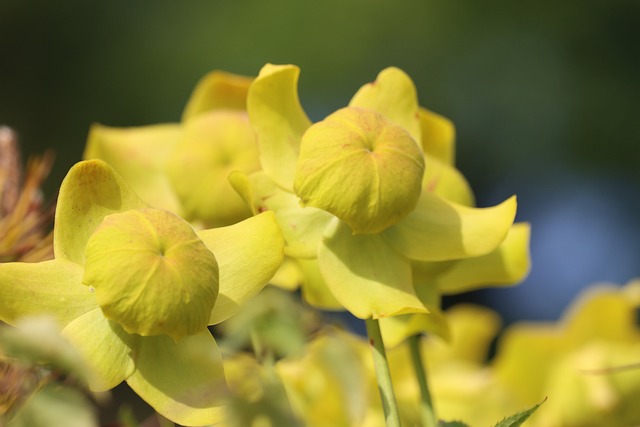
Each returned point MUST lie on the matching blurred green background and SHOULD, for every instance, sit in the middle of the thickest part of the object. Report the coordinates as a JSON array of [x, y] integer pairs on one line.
[[544, 96]]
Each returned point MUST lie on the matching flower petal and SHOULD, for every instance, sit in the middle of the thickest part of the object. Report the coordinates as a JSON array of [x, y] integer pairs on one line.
[[393, 95], [314, 288], [446, 181], [248, 254], [213, 145], [90, 191], [365, 275], [439, 230], [508, 264], [139, 155], [104, 346], [438, 136], [302, 227], [278, 120], [184, 380], [50, 287], [398, 328], [218, 90], [288, 275]]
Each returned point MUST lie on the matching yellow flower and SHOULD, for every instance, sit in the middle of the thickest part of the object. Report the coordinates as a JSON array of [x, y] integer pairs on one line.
[[134, 289], [23, 218], [361, 175], [574, 363], [184, 167]]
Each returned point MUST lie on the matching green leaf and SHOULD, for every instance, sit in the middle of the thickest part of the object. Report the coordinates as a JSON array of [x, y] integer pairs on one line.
[[519, 418]]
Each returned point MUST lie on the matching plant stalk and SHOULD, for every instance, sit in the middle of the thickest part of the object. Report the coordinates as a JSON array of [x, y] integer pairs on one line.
[[383, 375], [427, 412]]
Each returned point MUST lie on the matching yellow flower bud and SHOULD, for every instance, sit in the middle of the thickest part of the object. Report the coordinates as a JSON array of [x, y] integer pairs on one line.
[[361, 167], [151, 273]]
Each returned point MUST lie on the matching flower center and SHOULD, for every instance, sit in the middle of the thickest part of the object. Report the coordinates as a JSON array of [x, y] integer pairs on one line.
[[151, 273], [360, 167]]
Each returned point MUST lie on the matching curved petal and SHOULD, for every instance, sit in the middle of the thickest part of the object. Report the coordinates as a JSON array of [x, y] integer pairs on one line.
[[90, 191], [249, 254], [184, 380], [104, 346], [446, 181], [393, 95], [438, 136], [396, 329], [50, 287], [302, 228], [314, 288], [139, 155], [508, 264], [218, 90], [365, 275], [278, 120], [439, 230]]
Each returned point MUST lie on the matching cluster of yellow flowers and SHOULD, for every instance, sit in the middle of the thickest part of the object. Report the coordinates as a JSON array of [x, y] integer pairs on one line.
[[165, 230]]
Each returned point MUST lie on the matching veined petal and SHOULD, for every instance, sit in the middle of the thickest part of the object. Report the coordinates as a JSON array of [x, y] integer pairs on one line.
[[365, 275], [50, 287], [439, 230], [278, 120], [446, 181], [438, 136], [393, 95], [248, 254], [314, 288], [151, 273], [361, 167], [506, 265], [218, 90], [139, 155], [183, 380], [104, 346], [90, 191]]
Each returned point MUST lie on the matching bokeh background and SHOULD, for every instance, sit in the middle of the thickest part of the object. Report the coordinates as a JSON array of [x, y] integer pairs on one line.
[[544, 96]]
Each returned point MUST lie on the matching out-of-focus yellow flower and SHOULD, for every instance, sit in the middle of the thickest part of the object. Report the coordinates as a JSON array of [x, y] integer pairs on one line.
[[333, 382], [24, 220], [586, 366], [574, 363], [134, 289], [183, 167], [364, 181]]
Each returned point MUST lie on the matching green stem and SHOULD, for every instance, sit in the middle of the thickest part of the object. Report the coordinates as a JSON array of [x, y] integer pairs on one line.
[[383, 375], [427, 412]]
